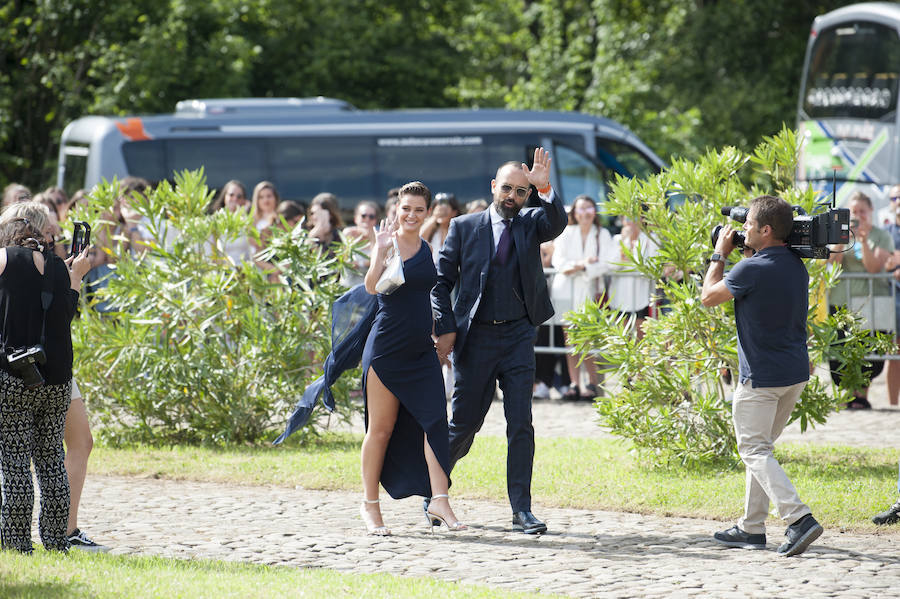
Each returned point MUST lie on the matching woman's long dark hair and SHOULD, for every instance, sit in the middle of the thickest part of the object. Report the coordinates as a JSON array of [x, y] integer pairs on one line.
[[587, 199]]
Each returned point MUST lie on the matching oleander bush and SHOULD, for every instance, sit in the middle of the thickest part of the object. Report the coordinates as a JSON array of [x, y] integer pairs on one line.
[[673, 402], [194, 348]]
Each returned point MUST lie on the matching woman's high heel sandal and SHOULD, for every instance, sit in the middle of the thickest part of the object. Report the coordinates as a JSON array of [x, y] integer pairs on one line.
[[433, 518], [431, 521], [378, 531]]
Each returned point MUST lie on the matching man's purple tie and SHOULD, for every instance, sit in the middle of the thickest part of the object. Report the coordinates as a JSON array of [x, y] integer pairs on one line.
[[504, 245]]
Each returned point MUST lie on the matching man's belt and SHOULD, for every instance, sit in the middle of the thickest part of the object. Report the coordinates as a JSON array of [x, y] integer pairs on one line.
[[493, 322]]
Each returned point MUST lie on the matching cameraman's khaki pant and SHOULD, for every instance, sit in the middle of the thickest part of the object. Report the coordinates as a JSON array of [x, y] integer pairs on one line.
[[760, 415]]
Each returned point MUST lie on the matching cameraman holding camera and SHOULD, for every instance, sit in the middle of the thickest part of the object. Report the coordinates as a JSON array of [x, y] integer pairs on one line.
[[770, 292], [38, 295]]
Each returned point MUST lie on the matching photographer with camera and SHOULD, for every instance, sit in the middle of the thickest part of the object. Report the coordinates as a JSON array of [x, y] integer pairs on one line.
[[38, 296], [770, 292], [870, 252]]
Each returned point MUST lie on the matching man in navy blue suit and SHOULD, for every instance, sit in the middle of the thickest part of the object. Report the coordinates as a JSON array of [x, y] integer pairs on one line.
[[491, 328]]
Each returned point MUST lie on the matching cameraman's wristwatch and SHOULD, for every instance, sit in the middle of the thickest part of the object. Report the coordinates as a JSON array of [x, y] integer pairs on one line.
[[717, 257]]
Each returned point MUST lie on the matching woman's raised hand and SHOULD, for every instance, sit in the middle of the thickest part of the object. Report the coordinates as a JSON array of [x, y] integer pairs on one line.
[[386, 232]]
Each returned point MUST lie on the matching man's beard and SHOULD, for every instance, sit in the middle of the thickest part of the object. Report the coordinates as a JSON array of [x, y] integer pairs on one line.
[[505, 212]]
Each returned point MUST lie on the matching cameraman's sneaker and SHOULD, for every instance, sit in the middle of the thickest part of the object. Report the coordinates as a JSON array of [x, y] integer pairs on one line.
[[735, 537], [889, 516], [800, 535], [79, 540]]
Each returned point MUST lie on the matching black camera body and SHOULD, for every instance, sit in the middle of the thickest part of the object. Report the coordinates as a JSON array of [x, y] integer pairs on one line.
[[809, 236], [24, 362]]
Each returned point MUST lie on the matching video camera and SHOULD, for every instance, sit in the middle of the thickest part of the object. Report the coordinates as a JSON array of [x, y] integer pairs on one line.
[[809, 236]]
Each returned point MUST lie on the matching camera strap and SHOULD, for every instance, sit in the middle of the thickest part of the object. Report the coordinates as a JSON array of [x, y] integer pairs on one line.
[[46, 295]]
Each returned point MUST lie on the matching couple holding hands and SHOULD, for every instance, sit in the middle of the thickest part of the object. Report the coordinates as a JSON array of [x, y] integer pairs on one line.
[[488, 332]]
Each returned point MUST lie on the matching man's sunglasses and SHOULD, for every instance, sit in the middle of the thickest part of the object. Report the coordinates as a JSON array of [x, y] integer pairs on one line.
[[522, 192]]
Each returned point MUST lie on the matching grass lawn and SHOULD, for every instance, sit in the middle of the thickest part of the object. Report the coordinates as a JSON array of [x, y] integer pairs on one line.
[[45, 575], [842, 485]]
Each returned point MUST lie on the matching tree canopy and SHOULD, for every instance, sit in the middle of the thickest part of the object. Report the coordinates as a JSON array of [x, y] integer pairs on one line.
[[683, 74]]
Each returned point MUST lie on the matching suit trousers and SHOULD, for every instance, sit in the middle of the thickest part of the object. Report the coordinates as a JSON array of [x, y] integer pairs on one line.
[[760, 414], [501, 353]]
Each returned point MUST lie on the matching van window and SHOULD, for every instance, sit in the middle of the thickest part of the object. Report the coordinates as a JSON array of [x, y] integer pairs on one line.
[[76, 167], [243, 159], [623, 159], [146, 159], [578, 175], [301, 167], [462, 165], [222, 159]]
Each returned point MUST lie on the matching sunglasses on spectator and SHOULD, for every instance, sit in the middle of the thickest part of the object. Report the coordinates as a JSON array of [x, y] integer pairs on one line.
[[367, 215], [522, 192], [895, 198], [585, 211]]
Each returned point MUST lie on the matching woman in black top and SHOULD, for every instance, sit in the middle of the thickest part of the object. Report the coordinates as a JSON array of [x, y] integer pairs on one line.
[[32, 419]]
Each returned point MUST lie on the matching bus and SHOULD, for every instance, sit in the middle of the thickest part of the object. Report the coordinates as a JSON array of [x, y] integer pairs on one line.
[[847, 110], [310, 145]]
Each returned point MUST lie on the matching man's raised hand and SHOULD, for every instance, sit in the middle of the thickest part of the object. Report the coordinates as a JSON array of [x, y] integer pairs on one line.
[[539, 174]]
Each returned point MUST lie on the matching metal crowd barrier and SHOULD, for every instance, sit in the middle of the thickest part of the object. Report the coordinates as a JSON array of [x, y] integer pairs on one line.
[[558, 345], [870, 306], [878, 311]]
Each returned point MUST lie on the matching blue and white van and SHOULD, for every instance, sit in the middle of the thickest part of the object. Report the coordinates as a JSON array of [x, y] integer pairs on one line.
[[309, 145]]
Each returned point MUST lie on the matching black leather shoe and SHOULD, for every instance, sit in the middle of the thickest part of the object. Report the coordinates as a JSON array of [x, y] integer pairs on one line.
[[889, 516], [527, 523], [800, 535], [735, 537]]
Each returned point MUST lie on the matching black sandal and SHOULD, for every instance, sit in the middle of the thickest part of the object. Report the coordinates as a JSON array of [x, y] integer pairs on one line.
[[572, 393]]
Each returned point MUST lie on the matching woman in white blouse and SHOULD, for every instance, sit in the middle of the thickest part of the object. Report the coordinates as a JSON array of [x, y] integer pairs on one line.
[[581, 256], [630, 292]]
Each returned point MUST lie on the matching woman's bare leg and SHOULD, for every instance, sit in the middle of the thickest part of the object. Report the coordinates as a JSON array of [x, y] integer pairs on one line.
[[383, 408], [79, 443], [439, 486], [571, 362], [893, 379]]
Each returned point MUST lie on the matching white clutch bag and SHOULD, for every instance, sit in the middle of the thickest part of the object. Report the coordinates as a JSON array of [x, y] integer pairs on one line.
[[392, 278]]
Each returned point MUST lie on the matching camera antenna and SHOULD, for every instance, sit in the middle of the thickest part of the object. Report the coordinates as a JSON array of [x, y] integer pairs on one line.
[[834, 188]]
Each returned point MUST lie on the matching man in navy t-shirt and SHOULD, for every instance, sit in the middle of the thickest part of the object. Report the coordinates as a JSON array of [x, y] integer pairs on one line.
[[770, 291]]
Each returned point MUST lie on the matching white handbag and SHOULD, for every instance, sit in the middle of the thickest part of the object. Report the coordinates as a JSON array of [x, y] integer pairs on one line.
[[392, 278]]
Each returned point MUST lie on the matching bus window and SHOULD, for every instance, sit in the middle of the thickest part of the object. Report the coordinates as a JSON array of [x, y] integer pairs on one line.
[[76, 167], [146, 159], [853, 72], [623, 159], [222, 159], [578, 175], [445, 164], [301, 167]]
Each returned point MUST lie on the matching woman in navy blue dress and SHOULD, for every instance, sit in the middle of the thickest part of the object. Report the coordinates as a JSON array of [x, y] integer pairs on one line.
[[406, 447]]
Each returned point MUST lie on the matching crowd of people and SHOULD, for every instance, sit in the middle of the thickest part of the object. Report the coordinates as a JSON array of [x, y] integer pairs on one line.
[[475, 300]]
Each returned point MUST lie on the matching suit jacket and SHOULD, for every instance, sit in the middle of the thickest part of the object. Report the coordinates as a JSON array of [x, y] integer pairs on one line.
[[466, 258]]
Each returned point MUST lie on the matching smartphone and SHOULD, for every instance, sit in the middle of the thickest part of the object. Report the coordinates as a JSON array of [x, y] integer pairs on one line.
[[81, 237]]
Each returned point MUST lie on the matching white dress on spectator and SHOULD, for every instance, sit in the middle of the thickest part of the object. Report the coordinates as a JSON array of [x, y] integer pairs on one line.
[[239, 250], [436, 242], [631, 291], [570, 292]]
